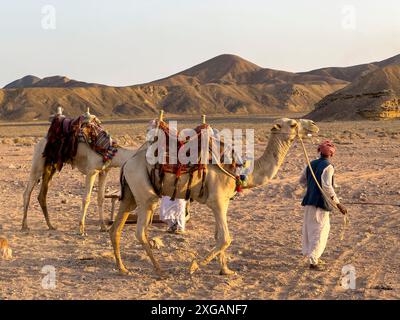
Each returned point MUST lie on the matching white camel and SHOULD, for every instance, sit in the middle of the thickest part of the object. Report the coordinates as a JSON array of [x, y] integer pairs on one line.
[[89, 163], [219, 189]]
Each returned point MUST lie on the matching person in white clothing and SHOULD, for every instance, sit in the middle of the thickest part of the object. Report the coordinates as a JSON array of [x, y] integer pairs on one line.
[[316, 223], [173, 213]]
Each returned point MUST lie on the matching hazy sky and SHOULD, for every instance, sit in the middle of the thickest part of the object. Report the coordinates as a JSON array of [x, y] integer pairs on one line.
[[124, 42]]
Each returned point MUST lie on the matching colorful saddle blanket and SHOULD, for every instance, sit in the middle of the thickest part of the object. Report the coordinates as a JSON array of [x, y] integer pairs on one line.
[[64, 135], [99, 140]]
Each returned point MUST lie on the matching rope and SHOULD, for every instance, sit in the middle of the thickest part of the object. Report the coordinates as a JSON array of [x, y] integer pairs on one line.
[[227, 172], [327, 198], [220, 166]]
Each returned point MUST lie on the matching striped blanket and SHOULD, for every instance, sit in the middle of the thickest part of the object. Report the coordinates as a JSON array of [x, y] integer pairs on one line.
[[99, 140], [64, 135]]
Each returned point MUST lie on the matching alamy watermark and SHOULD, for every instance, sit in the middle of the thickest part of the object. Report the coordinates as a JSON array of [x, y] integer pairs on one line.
[[49, 280], [204, 146], [348, 280], [349, 18], [49, 19]]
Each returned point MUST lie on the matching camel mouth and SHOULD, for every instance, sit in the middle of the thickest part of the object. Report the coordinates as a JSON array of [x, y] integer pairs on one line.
[[310, 134], [310, 129], [314, 129]]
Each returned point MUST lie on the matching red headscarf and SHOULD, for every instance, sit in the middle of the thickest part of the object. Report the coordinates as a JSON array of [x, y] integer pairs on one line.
[[327, 148]]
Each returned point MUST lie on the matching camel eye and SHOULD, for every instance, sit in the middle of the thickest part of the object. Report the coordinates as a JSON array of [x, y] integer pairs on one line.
[[293, 125], [276, 127]]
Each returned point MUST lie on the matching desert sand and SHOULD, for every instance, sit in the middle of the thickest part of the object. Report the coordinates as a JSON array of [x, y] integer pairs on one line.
[[265, 225]]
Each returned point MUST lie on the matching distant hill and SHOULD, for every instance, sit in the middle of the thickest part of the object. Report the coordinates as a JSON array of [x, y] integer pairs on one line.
[[375, 95], [354, 72], [226, 84], [48, 82], [25, 82], [229, 69], [222, 69]]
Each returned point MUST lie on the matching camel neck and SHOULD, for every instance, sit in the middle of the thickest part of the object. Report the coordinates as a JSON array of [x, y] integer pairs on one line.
[[267, 166], [121, 157]]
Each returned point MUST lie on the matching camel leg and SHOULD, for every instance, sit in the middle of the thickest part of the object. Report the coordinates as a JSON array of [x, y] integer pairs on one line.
[[36, 173], [100, 199], [89, 183], [222, 236], [224, 265], [222, 257], [33, 181], [127, 204], [48, 173], [144, 217]]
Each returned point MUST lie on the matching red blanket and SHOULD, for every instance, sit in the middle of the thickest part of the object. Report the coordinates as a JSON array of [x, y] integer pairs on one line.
[[64, 135], [62, 141]]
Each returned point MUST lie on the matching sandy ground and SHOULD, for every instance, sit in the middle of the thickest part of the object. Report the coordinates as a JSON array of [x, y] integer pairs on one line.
[[265, 225]]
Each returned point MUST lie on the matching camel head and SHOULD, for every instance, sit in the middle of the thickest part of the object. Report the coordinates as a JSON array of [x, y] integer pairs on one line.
[[292, 128]]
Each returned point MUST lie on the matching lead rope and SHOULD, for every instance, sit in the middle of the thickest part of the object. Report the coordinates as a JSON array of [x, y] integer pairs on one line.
[[327, 198]]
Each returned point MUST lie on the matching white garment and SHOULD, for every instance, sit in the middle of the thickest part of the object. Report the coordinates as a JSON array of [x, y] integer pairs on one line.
[[173, 212], [316, 228]]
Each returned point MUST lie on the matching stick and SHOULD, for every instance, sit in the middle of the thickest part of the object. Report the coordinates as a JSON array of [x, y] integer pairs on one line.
[[372, 204]]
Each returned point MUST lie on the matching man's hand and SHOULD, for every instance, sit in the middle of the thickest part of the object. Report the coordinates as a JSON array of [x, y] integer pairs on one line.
[[342, 208]]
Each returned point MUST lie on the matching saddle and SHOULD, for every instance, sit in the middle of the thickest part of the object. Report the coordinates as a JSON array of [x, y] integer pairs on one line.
[[177, 168], [64, 135]]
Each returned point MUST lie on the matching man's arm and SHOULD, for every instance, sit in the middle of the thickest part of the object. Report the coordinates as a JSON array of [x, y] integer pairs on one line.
[[326, 183]]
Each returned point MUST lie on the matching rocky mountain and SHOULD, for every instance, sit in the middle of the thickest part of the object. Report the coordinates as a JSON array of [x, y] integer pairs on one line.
[[375, 95], [226, 84]]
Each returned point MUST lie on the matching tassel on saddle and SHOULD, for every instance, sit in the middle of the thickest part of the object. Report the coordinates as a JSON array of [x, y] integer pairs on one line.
[[153, 180], [189, 185], [203, 179], [177, 178]]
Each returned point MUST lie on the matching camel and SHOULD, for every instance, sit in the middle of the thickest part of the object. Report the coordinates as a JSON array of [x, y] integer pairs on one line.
[[89, 163], [219, 189]]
